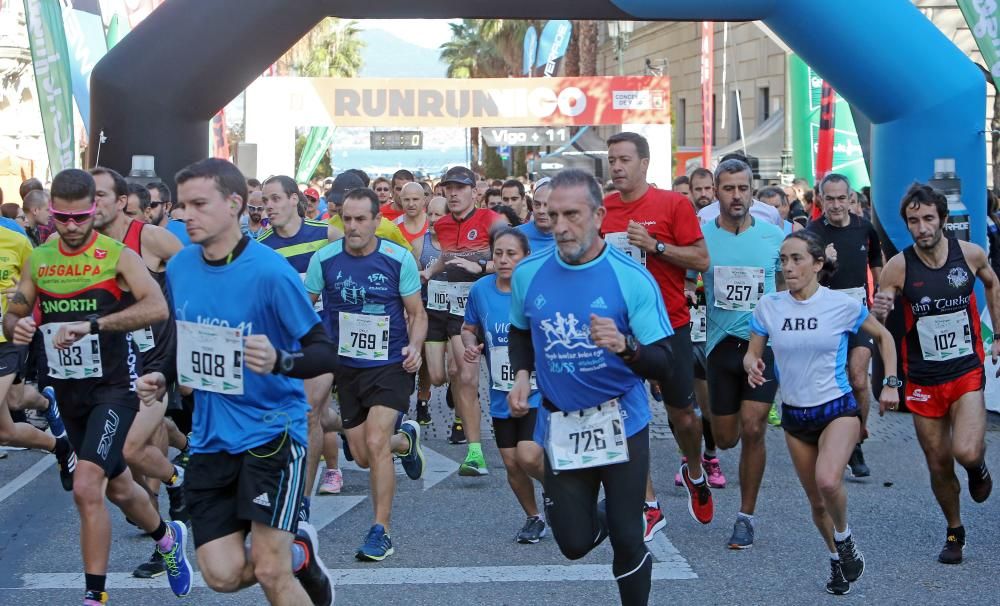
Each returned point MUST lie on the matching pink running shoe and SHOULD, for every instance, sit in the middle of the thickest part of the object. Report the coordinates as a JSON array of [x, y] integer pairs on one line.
[[714, 472], [333, 481]]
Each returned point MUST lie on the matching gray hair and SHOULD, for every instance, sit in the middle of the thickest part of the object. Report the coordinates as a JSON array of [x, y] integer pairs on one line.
[[835, 178], [732, 166], [773, 192], [574, 177]]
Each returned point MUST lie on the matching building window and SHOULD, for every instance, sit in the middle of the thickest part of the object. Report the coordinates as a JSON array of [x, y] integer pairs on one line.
[[681, 122], [736, 132], [763, 104]]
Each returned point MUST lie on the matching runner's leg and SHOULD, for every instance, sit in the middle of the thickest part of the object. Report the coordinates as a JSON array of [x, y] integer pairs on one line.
[[934, 435]]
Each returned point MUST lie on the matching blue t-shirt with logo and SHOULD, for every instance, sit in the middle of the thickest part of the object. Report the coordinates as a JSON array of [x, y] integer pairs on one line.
[[372, 285], [488, 308], [180, 230], [538, 240], [262, 294], [555, 300]]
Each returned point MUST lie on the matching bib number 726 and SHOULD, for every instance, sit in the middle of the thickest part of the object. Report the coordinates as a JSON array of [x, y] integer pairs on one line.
[[591, 440]]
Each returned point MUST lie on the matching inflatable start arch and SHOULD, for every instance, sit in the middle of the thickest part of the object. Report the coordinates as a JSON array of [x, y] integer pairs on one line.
[[156, 91]]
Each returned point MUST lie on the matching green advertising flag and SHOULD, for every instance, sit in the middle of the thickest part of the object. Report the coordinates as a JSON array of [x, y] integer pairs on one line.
[[317, 143], [117, 29], [984, 21], [806, 91], [53, 84]]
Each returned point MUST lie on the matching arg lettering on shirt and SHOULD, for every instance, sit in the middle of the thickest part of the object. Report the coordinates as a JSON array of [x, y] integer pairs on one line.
[[800, 324]]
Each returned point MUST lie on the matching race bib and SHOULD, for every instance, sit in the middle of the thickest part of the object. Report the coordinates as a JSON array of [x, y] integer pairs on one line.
[[144, 339], [858, 294], [81, 360], [619, 240], [210, 357], [501, 372], [588, 438], [437, 295], [699, 324], [459, 297], [738, 288], [945, 337], [364, 337]]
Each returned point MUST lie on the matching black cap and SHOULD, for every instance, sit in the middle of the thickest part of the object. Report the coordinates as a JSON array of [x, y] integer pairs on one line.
[[342, 185], [460, 175]]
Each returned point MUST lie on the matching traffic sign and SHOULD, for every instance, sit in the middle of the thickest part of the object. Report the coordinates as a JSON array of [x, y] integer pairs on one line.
[[525, 137]]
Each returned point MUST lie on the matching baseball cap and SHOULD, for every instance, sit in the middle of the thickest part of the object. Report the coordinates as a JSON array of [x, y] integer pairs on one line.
[[460, 175], [311, 193], [342, 185]]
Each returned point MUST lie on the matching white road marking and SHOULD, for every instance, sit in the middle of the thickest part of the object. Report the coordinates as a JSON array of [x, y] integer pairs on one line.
[[324, 510], [392, 576], [26, 476], [437, 467]]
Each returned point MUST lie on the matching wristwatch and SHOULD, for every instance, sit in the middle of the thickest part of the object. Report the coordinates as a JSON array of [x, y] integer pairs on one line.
[[892, 381], [482, 264], [284, 364], [631, 347], [95, 327], [660, 247]]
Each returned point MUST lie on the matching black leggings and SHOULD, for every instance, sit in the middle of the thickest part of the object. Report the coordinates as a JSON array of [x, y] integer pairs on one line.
[[571, 511]]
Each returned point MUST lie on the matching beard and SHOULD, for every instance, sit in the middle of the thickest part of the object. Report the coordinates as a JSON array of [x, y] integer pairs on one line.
[[573, 255]]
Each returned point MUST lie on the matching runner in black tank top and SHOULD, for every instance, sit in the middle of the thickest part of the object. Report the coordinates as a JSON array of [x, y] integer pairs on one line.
[[943, 351]]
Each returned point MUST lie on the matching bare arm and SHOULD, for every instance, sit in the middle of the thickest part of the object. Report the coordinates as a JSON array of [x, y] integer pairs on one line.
[[20, 304], [333, 234], [753, 362], [416, 325], [693, 257], [890, 282], [150, 305], [889, 396], [162, 244]]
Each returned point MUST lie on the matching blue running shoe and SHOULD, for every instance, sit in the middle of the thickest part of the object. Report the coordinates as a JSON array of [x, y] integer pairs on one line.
[[179, 572], [377, 547], [52, 414], [305, 509], [413, 461]]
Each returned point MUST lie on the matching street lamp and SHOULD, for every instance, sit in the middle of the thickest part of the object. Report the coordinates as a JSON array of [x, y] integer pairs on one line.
[[620, 32]]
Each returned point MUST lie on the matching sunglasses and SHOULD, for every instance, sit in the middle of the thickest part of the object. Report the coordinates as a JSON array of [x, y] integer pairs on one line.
[[255, 209], [79, 218], [156, 204]]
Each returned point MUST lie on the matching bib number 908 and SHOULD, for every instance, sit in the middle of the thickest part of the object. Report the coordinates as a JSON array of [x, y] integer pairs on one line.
[[204, 363]]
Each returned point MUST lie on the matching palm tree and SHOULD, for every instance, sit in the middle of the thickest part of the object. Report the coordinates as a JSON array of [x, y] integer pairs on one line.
[[332, 49], [587, 39]]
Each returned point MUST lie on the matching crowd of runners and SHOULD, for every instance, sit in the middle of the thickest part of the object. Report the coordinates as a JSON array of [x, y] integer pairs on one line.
[[254, 329]]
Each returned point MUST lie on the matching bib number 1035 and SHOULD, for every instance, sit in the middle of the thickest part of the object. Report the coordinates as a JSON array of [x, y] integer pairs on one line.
[[210, 358]]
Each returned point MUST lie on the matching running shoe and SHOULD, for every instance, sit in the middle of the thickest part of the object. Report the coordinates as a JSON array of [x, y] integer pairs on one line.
[[37, 419], [178, 504], [423, 412], [305, 509], [714, 471], [655, 522], [377, 546], [95, 598], [52, 414], [314, 576], [742, 537], [473, 466], [413, 460], [152, 568], [333, 482], [179, 572], [457, 433], [3, 454], [774, 416], [677, 476], [952, 551], [980, 483], [837, 585], [183, 457], [532, 531], [67, 462], [655, 391], [857, 463], [347, 448], [700, 504], [852, 561]]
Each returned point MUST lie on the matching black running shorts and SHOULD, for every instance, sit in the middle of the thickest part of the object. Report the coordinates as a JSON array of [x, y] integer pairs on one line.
[[509, 432], [99, 436], [727, 382], [358, 389]]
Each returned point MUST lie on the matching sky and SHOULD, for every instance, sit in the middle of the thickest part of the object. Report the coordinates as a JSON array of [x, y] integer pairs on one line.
[[428, 33]]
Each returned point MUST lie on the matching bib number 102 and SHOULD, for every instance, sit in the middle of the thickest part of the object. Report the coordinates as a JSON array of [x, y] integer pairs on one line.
[[212, 365], [590, 439], [945, 341]]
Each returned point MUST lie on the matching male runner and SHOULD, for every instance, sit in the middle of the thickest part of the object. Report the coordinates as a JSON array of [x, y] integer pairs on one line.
[[539, 229], [852, 243], [243, 351], [593, 325], [81, 279], [296, 239], [744, 264], [942, 351], [372, 309]]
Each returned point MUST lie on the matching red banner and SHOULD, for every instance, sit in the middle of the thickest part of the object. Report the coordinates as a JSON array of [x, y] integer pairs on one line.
[[707, 87], [824, 142], [220, 142], [485, 102]]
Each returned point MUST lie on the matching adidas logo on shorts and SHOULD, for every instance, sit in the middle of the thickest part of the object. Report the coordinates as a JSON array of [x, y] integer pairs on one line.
[[262, 500]]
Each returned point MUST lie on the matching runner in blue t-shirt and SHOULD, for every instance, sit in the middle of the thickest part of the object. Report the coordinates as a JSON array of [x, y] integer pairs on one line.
[[367, 284], [539, 229], [744, 266], [244, 350], [592, 323], [810, 327], [488, 314]]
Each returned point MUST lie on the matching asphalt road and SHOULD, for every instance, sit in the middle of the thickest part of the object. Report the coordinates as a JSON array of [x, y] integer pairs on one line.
[[454, 538]]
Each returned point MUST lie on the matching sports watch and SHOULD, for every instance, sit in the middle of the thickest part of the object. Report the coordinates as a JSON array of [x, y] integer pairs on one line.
[[95, 327], [660, 247], [892, 381]]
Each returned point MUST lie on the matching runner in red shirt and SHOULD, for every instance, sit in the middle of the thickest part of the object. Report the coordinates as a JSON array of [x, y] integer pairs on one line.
[[464, 236], [392, 209], [659, 229]]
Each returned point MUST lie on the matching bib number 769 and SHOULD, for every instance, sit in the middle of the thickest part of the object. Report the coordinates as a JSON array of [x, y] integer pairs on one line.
[[363, 340]]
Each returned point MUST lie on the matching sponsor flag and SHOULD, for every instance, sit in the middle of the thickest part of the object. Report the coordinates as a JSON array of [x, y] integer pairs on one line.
[[984, 21], [707, 88], [317, 144], [87, 44], [220, 142], [530, 50], [552, 47], [54, 86], [824, 142]]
